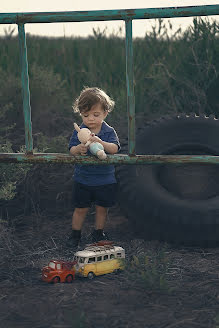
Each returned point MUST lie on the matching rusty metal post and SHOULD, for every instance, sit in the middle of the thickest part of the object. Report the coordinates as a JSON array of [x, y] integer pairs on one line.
[[130, 88], [111, 159], [25, 89]]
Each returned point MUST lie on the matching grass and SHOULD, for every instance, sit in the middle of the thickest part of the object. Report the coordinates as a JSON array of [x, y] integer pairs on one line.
[[171, 74], [149, 271], [217, 321]]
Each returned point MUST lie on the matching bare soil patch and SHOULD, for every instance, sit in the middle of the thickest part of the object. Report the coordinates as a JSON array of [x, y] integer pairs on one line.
[[188, 297]]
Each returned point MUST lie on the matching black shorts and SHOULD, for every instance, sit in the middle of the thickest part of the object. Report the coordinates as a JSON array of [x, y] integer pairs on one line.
[[84, 196]]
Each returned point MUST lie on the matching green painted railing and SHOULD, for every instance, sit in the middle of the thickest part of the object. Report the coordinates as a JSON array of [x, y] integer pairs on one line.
[[101, 15]]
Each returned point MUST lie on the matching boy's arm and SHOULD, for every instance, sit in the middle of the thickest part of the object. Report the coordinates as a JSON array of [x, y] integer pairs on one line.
[[75, 147], [109, 147], [80, 149]]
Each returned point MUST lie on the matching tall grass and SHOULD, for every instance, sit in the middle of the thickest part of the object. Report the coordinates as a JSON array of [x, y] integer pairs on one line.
[[171, 74]]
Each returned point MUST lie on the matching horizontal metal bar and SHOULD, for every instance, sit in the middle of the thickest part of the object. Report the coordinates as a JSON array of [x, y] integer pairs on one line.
[[106, 15], [111, 159]]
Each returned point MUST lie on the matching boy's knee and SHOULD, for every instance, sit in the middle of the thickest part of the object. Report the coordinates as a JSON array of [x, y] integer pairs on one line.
[[81, 211], [101, 209]]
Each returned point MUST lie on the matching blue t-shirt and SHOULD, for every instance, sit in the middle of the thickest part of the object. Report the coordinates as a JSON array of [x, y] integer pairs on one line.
[[96, 175]]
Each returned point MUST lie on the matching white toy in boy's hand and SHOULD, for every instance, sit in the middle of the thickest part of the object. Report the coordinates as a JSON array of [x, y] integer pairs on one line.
[[96, 148]]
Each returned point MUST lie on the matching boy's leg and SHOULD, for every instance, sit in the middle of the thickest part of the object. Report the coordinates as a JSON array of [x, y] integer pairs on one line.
[[77, 222], [101, 214], [78, 217], [98, 233], [82, 200], [105, 196]]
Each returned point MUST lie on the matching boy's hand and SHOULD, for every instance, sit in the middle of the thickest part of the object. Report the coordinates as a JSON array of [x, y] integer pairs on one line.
[[82, 149], [94, 138]]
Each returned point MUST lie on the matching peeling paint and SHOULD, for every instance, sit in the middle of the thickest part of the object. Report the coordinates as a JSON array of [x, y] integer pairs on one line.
[[107, 15], [130, 88], [111, 159], [25, 88]]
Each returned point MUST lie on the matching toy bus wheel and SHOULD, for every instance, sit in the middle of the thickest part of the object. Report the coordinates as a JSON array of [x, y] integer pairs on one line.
[[56, 280], [90, 275], [117, 271], [69, 278]]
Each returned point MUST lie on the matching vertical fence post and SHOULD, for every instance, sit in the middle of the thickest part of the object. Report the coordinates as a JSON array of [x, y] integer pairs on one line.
[[130, 87], [25, 89]]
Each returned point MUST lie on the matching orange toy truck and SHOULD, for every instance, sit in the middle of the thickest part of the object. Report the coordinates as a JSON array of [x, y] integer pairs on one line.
[[58, 271]]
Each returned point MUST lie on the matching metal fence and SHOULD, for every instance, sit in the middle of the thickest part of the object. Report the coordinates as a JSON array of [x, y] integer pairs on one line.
[[127, 15]]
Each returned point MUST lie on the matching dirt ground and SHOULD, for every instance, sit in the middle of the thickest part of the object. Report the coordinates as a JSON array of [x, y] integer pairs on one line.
[[163, 286], [171, 288]]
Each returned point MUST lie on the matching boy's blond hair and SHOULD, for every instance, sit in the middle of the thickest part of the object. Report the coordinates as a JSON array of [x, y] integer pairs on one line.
[[92, 96]]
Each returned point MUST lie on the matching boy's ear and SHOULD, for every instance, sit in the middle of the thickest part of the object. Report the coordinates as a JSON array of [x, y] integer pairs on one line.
[[106, 113]]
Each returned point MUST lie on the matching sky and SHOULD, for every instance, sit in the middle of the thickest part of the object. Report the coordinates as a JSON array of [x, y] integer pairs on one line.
[[86, 28]]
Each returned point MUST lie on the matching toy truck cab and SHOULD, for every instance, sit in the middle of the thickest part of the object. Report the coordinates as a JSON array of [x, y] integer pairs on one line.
[[98, 259], [59, 271]]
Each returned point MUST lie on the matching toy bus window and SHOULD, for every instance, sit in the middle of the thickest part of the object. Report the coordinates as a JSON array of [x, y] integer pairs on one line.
[[112, 256], [118, 255], [52, 265], [99, 258], [81, 259], [58, 266], [106, 257], [91, 259]]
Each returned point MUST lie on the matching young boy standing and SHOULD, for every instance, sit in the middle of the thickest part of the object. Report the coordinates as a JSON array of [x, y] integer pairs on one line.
[[93, 183]]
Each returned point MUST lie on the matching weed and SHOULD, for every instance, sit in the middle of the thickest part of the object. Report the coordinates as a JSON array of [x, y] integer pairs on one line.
[[149, 271], [11, 174], [217, 321], [79, 320], [45, 144]]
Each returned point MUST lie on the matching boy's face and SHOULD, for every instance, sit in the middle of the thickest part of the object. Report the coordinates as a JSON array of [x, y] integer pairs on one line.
[[93, 118]]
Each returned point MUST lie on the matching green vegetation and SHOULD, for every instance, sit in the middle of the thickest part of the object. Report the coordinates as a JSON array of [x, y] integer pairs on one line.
[[217, 321], [171, 75], [10, 174], [79, 320], [149, 271]]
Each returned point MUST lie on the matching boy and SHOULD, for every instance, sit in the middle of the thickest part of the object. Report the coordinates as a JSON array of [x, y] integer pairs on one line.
[[93, 183]]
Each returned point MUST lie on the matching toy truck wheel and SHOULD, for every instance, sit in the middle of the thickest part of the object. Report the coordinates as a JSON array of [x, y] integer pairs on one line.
[[91, 275], [176, 203], [69, 278], [56, 280]]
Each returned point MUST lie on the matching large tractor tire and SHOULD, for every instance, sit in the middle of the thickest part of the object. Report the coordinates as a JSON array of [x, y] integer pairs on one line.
[[176, 203]]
